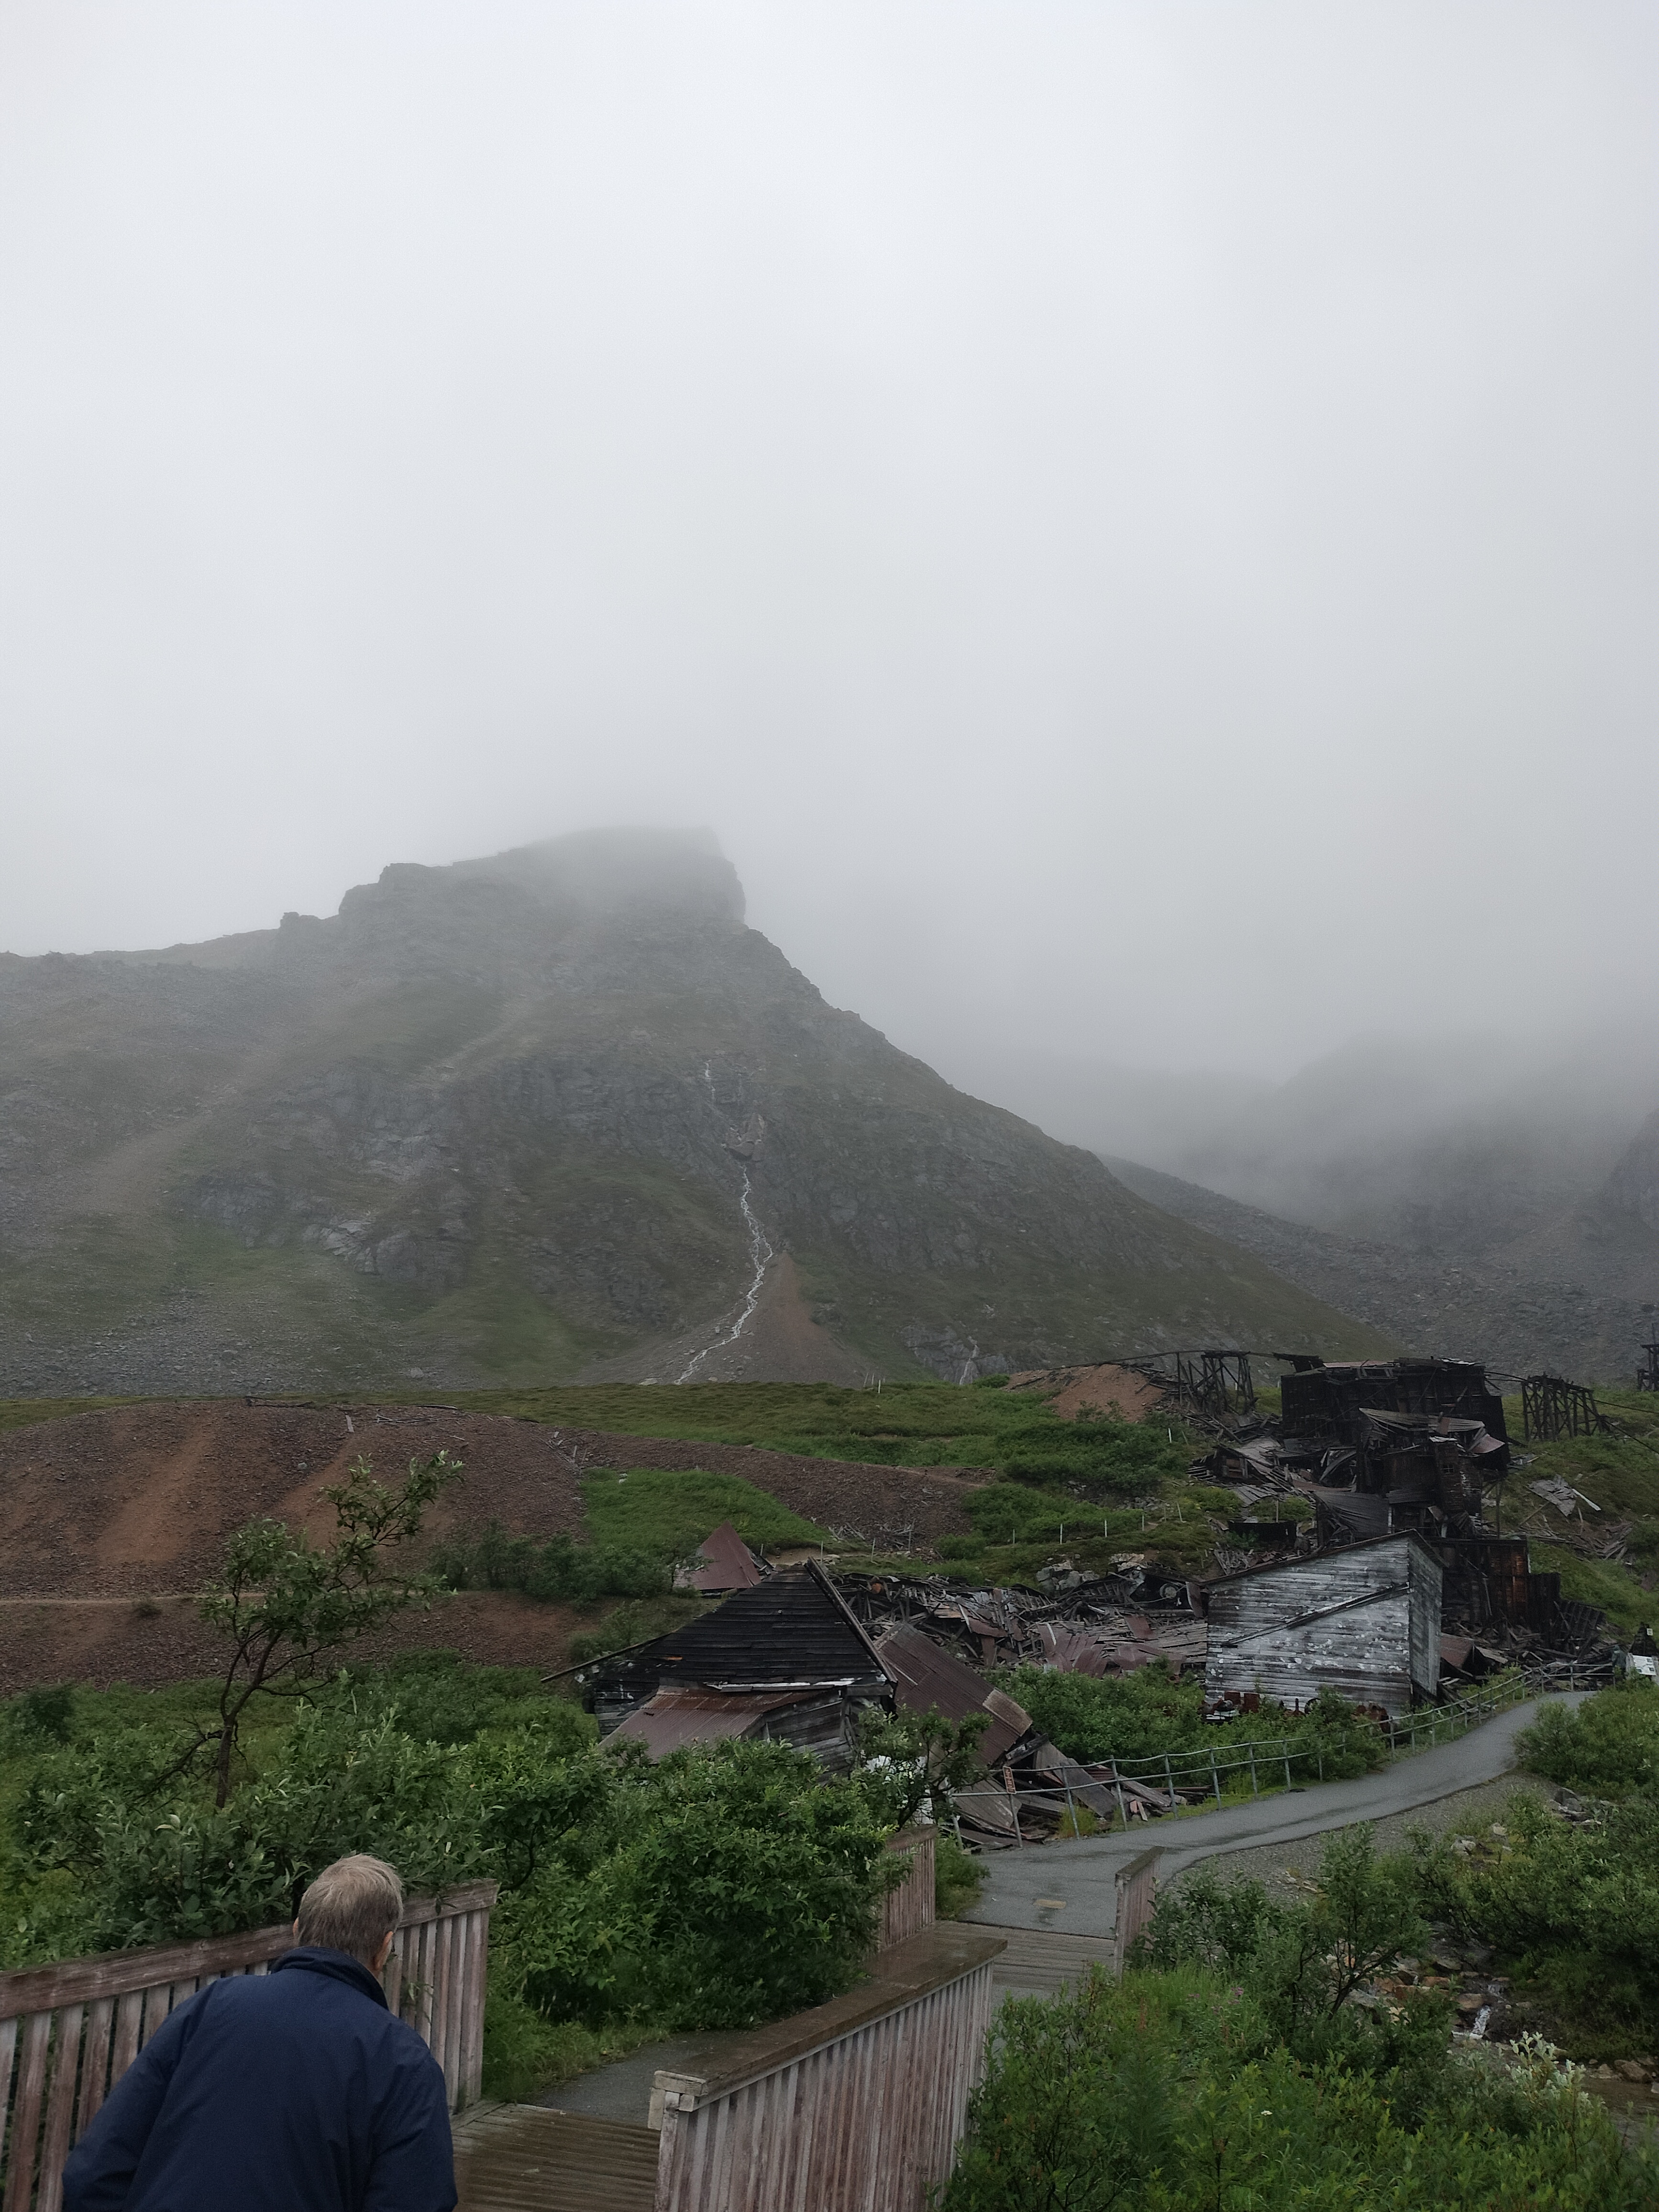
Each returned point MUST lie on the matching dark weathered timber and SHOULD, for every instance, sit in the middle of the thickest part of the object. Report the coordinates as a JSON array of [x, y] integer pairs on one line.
[[908, 1910]]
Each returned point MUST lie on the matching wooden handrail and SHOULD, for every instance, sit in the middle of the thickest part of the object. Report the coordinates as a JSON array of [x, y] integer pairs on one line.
[[109, 1973]]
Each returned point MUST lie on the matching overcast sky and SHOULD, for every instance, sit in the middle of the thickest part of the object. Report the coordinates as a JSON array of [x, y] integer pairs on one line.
[[1134, 523]]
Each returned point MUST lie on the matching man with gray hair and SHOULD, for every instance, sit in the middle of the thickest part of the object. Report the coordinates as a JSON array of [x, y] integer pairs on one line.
[[295, 2091]]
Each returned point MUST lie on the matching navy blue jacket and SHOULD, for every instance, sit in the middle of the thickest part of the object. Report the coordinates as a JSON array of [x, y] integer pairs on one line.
[[295, 2091]]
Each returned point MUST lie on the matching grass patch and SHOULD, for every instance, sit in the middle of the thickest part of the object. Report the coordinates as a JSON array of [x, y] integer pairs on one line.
[[665, 1510], [525, 2054]]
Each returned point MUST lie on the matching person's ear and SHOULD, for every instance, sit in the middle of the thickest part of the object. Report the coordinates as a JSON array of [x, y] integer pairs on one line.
[[384, 1952], [296, 1931]]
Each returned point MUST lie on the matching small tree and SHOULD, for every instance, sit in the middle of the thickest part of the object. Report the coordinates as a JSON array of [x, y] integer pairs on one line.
[[284, 1602], [911, 1758]]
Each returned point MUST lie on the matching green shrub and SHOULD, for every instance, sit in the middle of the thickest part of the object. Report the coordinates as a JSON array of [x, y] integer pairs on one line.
[[717, 1887], [1301, 1963], [1141, 1714], [1168, 2093], [1576, 1908], [559, 1571], [714, 1889], [48, 1715], [958, 1877], [1608, 1746]]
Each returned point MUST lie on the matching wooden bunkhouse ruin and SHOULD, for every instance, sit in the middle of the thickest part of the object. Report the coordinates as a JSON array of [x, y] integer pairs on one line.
[[1364, 1622]]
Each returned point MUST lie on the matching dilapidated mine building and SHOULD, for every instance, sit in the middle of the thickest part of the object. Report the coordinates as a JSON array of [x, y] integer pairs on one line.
[[783, 1659], [1363, 1621]]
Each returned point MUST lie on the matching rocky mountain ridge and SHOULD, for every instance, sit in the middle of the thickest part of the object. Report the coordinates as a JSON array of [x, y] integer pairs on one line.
[[554, 1113]]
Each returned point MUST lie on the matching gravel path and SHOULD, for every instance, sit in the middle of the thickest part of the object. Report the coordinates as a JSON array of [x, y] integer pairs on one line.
[[1073, 1886]]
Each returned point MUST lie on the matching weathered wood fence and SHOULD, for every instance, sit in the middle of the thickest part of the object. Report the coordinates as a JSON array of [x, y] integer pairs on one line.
[[908, 1908], [855, 2106], [70, 2031], [1135, 1889]]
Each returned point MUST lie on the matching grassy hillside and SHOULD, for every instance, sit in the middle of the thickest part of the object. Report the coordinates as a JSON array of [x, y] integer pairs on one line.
[[1618, 1473]]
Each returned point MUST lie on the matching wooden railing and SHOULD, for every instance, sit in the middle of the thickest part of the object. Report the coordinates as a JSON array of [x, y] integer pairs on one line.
[[70, 2031], [908, 1910], [858, 2103], [1135, 1887]]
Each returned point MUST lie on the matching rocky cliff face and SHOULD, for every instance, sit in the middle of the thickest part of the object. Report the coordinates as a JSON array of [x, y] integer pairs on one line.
[[555, 1113]]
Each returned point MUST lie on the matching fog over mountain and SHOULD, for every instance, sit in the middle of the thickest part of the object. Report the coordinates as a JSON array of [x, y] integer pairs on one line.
[[556, 1114], [1132, 522], [1471, 1193]]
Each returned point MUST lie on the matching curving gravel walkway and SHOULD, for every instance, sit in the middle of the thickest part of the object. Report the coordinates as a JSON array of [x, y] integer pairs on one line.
[[1070, 1886]]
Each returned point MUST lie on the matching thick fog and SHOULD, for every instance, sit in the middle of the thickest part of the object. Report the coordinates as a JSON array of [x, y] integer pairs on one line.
[[1133, 523]]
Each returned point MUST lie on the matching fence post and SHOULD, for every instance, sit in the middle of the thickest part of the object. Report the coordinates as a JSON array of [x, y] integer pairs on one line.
[[1169, 1781], [1285, 1745], [1123, 1809], [1255, 1787], [1215, 1775]]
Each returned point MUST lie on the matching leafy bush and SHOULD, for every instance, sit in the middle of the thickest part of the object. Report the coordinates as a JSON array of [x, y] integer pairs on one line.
[[714, 1889], [559, 1571], [1608, 1746], [1141, 1715], [958, 1877], [46, 1716], [1301, 1963], [1168, 2093], [1576, 1908]]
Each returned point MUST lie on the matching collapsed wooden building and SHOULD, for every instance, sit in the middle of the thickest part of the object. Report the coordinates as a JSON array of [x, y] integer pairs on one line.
[[783, 1660]]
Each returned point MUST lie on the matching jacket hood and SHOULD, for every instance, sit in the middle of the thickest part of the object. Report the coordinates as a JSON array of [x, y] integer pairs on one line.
[[339, 1966]]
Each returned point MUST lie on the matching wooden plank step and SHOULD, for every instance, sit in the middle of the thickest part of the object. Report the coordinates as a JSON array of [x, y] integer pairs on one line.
[[1041, 1961], [526, 2158]]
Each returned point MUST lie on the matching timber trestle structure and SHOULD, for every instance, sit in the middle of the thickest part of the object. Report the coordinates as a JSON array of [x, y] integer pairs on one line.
[[70, 2031]]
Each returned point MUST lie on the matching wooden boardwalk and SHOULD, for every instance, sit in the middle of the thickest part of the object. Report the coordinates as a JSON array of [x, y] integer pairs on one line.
[[526, 2158], [530, 2158], [1039, 1962]]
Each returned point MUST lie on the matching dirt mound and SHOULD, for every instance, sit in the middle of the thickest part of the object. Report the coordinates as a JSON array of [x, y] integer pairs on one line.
[[1102, 1389], [149, 1643], [138, 1500]]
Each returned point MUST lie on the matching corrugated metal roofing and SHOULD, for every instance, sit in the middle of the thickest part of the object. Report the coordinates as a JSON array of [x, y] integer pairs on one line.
[[685, 1713], [926, 1679], [726, 1563]]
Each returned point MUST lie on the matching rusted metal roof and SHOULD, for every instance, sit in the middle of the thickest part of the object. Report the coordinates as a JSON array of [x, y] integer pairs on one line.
[[681, 1713], [726, 1563], [926, 1679]]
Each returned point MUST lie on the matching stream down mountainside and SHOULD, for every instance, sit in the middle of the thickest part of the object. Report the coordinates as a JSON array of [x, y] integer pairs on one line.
[[553, 1115]]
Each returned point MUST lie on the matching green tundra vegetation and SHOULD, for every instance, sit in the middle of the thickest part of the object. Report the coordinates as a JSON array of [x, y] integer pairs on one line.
[[1232, 2068], [710, 1889], [913, 1424], [1137, 1716], [1187, 2090]]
